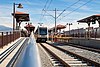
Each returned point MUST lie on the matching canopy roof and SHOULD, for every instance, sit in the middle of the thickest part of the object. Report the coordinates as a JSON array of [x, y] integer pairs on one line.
[[21, 16], [90, 19], [58, 27], [29, 27]]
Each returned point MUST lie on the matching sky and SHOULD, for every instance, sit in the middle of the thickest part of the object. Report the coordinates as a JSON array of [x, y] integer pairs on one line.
[[37, 15]]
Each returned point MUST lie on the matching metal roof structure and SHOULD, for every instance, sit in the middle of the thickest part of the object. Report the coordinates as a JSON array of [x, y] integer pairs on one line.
[[58, 27], [29, 27], [21, 16], [90, 19]]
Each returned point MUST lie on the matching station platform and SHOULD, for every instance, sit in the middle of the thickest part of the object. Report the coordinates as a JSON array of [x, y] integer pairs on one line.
[[8, 51], [30, 56], [23, 52]]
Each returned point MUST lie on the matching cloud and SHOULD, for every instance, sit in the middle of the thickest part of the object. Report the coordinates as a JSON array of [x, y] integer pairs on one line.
[[5, 15], [97, 2], [34, 8], [5, 6], [34, 4]]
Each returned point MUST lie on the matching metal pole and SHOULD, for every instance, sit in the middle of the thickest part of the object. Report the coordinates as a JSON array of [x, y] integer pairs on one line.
[[69, 29], [52, 35], [88, 30], [96, 33], [13, 19], [2, 40], [55, 20], [7, 37], [99, 26], [16, 25], [78, 33], [13, 16]]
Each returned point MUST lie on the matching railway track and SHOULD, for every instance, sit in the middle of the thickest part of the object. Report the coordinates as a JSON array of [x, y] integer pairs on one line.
[[54, 59], [64, 58], [82, 47], [82, 51]]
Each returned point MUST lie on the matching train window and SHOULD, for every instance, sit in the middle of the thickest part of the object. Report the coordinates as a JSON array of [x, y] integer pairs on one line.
[[43, 31]]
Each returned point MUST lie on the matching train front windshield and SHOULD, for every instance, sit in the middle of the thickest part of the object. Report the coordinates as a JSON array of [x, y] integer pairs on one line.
[[43, 31]]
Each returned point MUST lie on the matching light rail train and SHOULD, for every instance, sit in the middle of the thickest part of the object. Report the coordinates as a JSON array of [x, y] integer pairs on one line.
[[41, 34]]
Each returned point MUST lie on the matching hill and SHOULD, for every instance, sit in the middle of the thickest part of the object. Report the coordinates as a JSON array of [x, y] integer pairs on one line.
[[4, 28]]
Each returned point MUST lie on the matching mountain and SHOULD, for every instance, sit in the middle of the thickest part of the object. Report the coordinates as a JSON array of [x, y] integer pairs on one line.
[[4, 28]]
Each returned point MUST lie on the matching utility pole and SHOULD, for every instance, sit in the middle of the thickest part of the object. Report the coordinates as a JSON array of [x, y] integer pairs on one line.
[[69, 27], [55, 17], [55, 21]]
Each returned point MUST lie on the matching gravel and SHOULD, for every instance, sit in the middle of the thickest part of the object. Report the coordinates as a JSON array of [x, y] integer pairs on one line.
[[45, 62], [82, 52]]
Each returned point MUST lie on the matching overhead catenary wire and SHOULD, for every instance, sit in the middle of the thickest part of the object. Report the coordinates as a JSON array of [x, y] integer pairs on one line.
[[76, 9], [29, 3], [44, 9], [68, 8], [47, 5]]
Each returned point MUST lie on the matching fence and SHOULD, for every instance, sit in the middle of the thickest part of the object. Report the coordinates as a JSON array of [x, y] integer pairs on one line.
[[8, 37]]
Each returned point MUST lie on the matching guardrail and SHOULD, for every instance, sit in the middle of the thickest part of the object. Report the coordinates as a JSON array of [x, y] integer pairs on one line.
[[8, 37], [64, 39], [67, 39]]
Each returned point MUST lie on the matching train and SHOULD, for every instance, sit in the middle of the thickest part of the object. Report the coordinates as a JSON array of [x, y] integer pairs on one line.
[[41, 34]]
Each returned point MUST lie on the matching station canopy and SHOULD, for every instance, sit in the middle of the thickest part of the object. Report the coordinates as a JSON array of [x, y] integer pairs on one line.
[[89, 19], [58, 27], [29, 27], [21, 16]]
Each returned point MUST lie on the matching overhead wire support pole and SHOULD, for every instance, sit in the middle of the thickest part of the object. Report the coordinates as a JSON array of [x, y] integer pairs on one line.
[[14, 16], [49, 14], [55, 17], [55, 21], [46, 6]]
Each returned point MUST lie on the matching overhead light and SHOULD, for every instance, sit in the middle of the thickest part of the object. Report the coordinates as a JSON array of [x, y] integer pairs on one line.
[[20, 5]]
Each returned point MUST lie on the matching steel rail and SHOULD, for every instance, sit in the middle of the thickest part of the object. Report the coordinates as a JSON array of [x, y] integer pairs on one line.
[[83, 47], [58, 58], [78, 56]]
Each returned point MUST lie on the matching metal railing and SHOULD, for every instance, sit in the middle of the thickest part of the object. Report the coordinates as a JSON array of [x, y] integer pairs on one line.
[[8, 37]]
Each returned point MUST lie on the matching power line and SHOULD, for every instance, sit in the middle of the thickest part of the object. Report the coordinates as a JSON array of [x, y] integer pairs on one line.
[[47, 7], [49, 4], [76, 9], [55, 17], [43, 10], [68, 7], [44, 7]]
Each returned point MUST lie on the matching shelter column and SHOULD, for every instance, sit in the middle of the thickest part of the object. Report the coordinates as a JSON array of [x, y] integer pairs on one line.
[[88, 29], [99, 23]]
